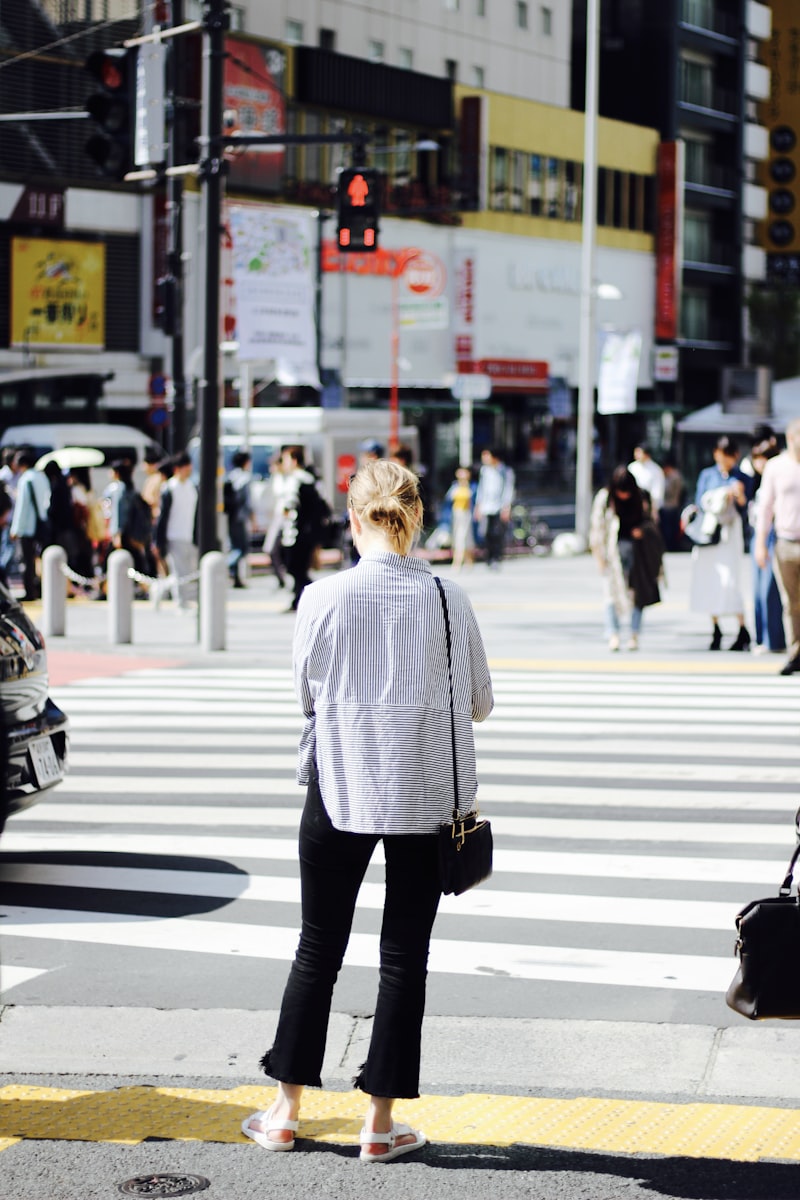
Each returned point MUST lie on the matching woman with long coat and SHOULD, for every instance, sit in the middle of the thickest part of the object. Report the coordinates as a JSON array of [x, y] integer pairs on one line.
[[628, 550], [716, 567]]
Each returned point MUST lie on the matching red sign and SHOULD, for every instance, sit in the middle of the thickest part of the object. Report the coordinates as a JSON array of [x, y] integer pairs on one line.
[[670, 187], [515, 374], [345, 469], [255, 99]]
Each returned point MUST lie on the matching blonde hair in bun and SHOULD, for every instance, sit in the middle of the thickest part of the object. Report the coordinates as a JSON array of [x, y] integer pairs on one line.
[[385, 496]]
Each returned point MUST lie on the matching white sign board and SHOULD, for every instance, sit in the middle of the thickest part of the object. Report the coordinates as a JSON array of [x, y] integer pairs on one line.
[[619, 371], [472, 387], [665, 363], [149, 138]]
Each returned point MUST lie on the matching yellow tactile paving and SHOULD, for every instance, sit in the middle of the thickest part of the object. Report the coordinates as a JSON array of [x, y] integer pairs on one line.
[[132, 1114]]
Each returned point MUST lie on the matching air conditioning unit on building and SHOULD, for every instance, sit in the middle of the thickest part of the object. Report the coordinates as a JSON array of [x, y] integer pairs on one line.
[[746, 390]]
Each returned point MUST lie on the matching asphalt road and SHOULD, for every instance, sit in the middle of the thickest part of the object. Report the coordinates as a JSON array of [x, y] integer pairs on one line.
[[638, 801]]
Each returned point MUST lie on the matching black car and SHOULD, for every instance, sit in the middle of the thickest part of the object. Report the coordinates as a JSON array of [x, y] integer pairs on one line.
[[34, 740]]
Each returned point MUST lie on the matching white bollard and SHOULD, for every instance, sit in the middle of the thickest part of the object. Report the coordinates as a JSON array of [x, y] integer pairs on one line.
[[213, 600], [120, 597], [54, 591]]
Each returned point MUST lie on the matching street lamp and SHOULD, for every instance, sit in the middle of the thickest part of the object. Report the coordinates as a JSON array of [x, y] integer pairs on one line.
[[583, 463]]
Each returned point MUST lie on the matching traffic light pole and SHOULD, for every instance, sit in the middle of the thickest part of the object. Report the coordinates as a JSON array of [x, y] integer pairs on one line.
[[211, 169], [175, 251]]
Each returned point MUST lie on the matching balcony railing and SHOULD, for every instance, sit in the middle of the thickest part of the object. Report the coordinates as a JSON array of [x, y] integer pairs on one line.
[[704, 95], [710, 175], [709, 254]]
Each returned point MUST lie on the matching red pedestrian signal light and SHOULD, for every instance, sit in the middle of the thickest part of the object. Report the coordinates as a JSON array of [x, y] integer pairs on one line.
[[113, 109], [358, 209]]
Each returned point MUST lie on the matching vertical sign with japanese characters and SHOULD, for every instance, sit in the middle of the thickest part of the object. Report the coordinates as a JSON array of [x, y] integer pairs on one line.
[[58, 294], [669, 239]]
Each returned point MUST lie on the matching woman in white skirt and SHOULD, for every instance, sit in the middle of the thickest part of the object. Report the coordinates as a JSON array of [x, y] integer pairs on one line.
[[716, 568]]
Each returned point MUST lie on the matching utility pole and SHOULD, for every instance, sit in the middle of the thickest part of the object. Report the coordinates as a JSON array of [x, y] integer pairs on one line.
[[212, 167], [177, 146]]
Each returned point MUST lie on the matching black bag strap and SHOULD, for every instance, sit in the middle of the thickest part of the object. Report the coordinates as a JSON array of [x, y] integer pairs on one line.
[[786, 886], [438, 583]]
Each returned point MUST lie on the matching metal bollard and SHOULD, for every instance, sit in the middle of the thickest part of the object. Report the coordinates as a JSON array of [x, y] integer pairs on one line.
[[54, 591], [213, 600], [120, 597]]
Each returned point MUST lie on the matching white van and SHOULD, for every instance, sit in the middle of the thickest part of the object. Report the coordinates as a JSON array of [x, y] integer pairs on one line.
[[115, 441]]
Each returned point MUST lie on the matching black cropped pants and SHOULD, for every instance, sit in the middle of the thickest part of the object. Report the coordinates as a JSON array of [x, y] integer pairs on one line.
[[332, 867]]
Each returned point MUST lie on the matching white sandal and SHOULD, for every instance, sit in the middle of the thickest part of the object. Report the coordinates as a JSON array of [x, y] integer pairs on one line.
[[367, 1137], [262, 1136]]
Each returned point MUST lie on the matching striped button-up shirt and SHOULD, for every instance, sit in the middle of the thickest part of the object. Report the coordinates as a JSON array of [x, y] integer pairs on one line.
[[370, 662]]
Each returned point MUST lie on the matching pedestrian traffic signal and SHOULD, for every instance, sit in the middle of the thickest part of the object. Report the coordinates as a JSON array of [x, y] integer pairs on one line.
[[113, 109], [358, 209]]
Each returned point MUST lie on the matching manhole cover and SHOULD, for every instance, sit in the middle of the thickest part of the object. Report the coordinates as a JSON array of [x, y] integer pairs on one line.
[[163, 1185]]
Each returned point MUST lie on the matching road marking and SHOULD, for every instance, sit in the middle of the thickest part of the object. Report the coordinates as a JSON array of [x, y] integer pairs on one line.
[[600, 865], [565, 964], [11, 977], [560, 828], [481, 902]]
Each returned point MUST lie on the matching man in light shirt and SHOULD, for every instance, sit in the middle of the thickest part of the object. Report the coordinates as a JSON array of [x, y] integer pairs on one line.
[[30, 510], [493, 503], [175, 535], [649, 476], [779, 505]]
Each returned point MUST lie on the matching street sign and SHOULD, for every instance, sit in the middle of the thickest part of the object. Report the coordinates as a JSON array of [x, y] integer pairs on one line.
[[665, 363], [472, 387]]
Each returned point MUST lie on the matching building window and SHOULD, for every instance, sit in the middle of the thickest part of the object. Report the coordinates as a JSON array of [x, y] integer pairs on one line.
[[480, 8], [535, 185], [327, 39], [499, 183], [553, 206], [451, 69], [695, 315], [405, 58], [376, 51], [697, 237], [697, 82], [477, 77], [698, 160], [547, 21], [452, 5], [572, 191], [522, 14], [294, 32], [698, 12]]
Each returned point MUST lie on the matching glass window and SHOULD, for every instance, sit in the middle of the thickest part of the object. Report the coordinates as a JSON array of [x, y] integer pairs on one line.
[[698, 12], [696, 237], [294, 32], [572, 191], [620, 200], [477, 77], [480, 8], [602, 196], [695, 321], [697, 161], [697, 82], [547, 21], [327, 39], [518, 164], [451, 69], [499, 185], [553, 205], [376, 51], [522, 14], [452, 5], [405, 58], [535, 189]]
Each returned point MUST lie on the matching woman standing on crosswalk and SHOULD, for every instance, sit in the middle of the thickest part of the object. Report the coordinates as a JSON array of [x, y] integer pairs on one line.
[[371, 673]]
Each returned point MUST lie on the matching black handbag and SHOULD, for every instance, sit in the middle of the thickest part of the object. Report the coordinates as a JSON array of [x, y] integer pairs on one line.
[[465, 842], [767, 983]]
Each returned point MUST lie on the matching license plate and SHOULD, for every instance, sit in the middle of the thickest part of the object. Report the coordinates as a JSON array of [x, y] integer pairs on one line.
[[45, 763]]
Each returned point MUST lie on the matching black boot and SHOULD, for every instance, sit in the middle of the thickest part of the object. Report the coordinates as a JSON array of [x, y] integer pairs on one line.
[[716, 641], [742, 640]]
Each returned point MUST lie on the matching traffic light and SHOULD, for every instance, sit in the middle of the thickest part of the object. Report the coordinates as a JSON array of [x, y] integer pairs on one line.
[[358, 209], [113, 109], [783, 226], [166, 307]]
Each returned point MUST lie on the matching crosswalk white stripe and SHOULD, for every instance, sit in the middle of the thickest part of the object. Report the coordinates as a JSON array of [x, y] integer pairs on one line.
[[553, 768], [11, 977], [228, 816], [600, 865], [481, 902], [487, 741], [567, 964], [549, 792]]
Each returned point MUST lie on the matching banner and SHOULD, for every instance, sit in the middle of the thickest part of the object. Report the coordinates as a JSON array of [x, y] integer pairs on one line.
[[273, 284], [619, 372], [255, 101], [58, 294], [669, 239]]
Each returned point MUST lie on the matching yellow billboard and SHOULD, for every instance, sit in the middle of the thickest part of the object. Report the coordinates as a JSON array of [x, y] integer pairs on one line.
[[58, 294]]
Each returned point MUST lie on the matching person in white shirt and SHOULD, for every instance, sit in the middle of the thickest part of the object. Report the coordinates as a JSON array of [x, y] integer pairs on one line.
[[649, 477], [372, 676], [779, 509], [175, 535], [493, 503]]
